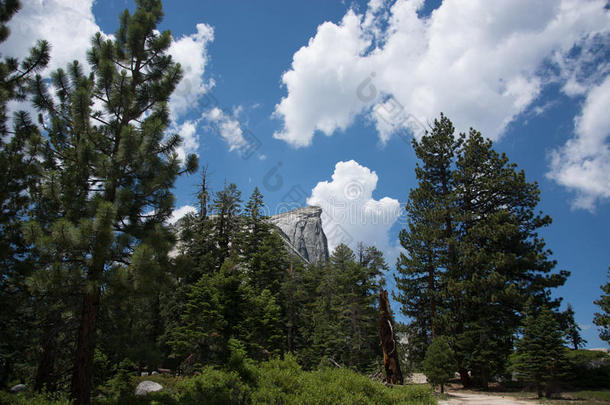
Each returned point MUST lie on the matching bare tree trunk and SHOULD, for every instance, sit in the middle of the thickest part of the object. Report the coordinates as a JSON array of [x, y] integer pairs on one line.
[[464, 377], [388, 341], [46, 364], [83, 365]]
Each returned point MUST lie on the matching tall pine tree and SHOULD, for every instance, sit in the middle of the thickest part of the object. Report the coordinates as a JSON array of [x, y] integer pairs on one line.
[[110, 166], [473, 251], [19, 146]]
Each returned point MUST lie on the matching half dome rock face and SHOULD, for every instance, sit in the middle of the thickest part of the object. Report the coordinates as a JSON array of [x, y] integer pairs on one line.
[[302, 228]]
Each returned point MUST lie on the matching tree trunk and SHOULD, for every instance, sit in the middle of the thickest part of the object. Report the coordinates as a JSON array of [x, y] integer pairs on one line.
[[464, 377], [442, 388], [388, 341], [83, 365], [46, 364], [432, 292], [485, 380], [549, 389], [5, 371]]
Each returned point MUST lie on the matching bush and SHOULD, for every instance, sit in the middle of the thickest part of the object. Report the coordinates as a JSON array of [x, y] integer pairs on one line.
[[588, 369], [284, 382], [213, 387], [29, 398], [275, 382]]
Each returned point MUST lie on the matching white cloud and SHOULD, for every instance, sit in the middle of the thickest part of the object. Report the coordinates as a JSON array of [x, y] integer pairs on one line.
[[68, 25], [191, 52], [181, 212], [480, 62], [227, 126], [190, 139], [583, 163], [350, 213]]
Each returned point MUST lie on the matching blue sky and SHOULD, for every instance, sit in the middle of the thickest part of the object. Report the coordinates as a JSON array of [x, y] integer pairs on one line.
[[533, 77]]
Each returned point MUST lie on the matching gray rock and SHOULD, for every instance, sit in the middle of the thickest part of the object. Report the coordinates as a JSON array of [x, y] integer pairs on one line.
[[18, 388], [302, 230], [146, 387], [154, 373]]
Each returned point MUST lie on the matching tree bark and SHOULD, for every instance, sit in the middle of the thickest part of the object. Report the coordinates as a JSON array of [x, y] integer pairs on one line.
[[83, 365], [464, 377], [46, 364], [388, 341]]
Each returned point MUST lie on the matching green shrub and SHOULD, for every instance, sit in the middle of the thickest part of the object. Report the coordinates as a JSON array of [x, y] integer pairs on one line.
[[591, 395], [213, 387], [272, 382], [29, 398], [283, 382], [588, 369], [279, 381]]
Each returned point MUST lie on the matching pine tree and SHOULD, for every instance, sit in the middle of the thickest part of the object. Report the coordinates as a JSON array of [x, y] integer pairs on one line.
[[227, 222], [202, 331], [473, 251], [344, 311], [541, 356], [109, 166], [19, 145], [602, 319], [198, 243], [439, 363], [571, 329], [503, 262], [430, 240]]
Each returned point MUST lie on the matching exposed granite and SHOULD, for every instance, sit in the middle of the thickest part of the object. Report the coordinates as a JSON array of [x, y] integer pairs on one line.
[[302, 229]]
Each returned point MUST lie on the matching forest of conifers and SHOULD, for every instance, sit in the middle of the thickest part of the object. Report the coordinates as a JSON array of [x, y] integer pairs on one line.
[[95, 287]]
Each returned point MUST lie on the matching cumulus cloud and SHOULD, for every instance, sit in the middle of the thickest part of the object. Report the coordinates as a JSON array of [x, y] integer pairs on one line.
[[583, 163], [350, 212], [181, 212], [227, 126], [481, 62], [69, 25], [191, 52], [190, 140]]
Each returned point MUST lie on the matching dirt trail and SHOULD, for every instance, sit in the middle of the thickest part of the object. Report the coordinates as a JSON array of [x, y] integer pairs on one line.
[[466, 398]]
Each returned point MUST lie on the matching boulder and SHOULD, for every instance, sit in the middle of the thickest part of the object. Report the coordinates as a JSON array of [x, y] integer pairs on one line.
[[146, 387]]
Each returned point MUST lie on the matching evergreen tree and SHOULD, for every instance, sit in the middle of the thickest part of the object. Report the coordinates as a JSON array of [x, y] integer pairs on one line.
[[198, 242], [202, 330], [430, 240], [227, 222], [541, 356], [109, 166], [344, 312], [439, 363], [473, 251], [602, 319], [571, 329], [19, 145], [268, 263], [503, 262]]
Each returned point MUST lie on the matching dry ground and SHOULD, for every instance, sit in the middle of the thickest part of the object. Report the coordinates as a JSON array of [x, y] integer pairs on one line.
[[463, 397]]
